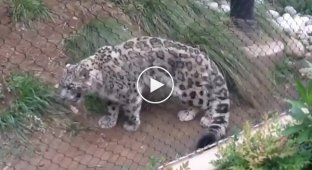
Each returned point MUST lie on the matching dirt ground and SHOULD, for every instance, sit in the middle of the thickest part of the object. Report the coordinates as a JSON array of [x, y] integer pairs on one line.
[[40, 51]]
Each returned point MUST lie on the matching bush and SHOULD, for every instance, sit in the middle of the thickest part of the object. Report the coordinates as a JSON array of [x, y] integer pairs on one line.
[[302, 6], [264, 149], [274, 146]]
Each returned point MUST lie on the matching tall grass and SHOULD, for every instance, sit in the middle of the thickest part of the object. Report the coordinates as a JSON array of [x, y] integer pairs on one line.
[[31, 103], [99, 32], [27, 11], [31, 100]]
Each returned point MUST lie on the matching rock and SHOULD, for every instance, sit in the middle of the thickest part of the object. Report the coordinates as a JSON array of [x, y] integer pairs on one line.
[[273, 14], [290, 10], [300, 21], [307, 29], [305, 42], [309, 48], [305, 19], [309, 22], [288, 24], [308, 55], [213, 5], [225, 8], [259, 2], [295, 48], [303, 36]]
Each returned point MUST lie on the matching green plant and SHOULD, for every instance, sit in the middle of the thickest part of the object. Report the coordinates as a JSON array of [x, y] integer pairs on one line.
[[32, 99], [264, 149], [94, 104], [97, 33], [154, 163], [303, 6], [285, 71], [301, 111], [27, 11]]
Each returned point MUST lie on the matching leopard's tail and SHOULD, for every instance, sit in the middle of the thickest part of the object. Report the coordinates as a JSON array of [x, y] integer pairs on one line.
[[219, 115]]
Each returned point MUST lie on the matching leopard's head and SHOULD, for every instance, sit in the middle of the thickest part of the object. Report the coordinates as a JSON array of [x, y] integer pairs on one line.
[[74, 82]]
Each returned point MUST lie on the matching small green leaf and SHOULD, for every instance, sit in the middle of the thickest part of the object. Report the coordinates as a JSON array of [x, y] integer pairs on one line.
[[301, 89], [292, 130], [296, 110], [304, 136]]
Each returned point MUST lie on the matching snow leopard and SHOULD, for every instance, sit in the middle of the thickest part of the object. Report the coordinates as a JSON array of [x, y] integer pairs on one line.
[[112, 71]]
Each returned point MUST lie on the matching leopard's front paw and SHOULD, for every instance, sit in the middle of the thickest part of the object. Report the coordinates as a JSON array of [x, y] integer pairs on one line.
[[107, 121]]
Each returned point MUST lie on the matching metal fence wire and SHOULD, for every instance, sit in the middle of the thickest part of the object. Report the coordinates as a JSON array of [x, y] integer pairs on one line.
[[260, 55]]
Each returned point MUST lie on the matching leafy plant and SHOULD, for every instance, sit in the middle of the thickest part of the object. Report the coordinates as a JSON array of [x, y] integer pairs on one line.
[[97, 33], [302, 113], [27, 11], [265, 148]]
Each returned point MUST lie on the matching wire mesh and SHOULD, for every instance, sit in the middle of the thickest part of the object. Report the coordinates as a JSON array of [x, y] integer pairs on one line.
[[260, 56]]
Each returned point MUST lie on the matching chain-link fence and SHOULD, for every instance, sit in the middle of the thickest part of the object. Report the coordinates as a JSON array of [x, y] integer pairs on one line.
[[260, 58]]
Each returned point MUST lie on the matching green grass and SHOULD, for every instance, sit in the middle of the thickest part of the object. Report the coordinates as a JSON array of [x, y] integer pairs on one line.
[[95, 104], [285, 71], [27, 11], [94, 35], [31, 100]]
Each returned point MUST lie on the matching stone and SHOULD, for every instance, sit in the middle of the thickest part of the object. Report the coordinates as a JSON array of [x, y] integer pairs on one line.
[[300, 21], [273, 13], [305, 42], [303, 36], [259, 2], [290, 10], [307, 29], [225, 8], [213, 5], [295, 48], [308, 55], [288, 24], [309, 48]]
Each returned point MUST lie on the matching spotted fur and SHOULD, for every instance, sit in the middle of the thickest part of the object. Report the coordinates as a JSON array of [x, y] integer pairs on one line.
[[113, 70]]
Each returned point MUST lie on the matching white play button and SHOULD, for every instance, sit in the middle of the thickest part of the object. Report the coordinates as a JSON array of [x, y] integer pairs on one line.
[[154, 85], [148, 82]]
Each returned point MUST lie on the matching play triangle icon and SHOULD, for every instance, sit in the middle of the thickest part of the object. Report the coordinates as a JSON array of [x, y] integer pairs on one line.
[[154, 85]]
